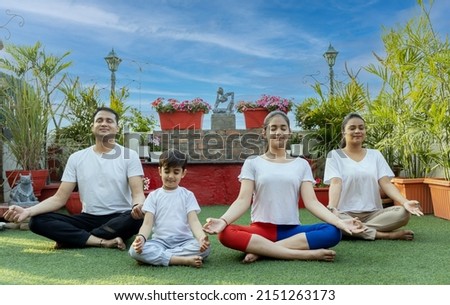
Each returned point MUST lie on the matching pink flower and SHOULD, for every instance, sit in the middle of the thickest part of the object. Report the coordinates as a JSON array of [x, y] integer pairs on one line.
[[269, 102], [172, 105]]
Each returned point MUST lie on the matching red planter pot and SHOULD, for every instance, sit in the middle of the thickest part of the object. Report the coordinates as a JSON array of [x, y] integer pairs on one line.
[[254, 117], [321, 194], [39, 178], [181, 120], [73, 204]]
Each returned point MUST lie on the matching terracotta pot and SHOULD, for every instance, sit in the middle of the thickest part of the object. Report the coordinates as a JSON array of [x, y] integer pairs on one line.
[[415, 189], [73, 204], [440, 196], [254, 117], [321, 194], [181, 120], [39, 178]]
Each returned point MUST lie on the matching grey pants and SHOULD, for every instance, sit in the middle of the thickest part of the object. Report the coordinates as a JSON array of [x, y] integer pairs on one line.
[[158, 252], [385, 220]]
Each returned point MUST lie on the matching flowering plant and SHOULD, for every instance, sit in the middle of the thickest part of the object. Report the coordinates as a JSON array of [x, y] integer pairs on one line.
[[172, 105], [154, 143], [146, 181], [269, 102], [319, 183]]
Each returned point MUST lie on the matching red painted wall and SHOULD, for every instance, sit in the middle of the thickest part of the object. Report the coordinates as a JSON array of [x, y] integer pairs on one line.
[[212, 183]]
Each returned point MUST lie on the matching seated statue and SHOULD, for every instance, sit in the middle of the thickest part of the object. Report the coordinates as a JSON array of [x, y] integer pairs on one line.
[[22, 193], [223, 98]]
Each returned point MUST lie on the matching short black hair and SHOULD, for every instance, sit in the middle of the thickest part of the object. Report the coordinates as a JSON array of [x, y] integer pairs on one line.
[[173, 158], [106, 109]]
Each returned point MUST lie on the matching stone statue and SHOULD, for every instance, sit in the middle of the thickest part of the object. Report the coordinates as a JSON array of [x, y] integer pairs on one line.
[[22, 193], [223, 98]]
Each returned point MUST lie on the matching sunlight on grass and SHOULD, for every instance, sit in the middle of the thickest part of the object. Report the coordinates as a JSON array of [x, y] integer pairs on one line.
[[20, 242], [12, 277]]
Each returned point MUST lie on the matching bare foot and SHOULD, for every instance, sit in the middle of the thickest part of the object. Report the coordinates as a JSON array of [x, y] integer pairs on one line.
[[193, 261], [396, 235], [321, 255], [59, 246], [113, 243], [311, 255], [250, 258]]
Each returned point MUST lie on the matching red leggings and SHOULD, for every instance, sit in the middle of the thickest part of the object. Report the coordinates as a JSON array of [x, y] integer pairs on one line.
[[321, 235]]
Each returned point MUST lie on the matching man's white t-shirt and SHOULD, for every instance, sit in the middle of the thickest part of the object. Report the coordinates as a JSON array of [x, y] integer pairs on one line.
[[102, 179], [360, 189], [277, 188]]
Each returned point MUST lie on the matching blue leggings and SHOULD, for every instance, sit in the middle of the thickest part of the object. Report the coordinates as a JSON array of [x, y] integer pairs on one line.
[[319, 236]]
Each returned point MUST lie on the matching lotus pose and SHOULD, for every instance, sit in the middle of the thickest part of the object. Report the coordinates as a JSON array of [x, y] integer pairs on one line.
[[271, 184], [356, 175], [171, 214], [109, 180]]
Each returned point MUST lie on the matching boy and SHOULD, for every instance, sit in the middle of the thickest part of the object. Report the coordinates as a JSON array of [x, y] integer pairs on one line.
[[171, 211]]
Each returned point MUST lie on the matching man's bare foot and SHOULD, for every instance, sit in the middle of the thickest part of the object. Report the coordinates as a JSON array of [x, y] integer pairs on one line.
[[250, 258], [193, 261], [396, 235], [113, 243], [59, 246]]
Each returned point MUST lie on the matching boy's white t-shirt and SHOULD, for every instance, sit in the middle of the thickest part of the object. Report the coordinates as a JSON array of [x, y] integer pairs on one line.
[[277, 188], [360, 189], [171, 208], [102, 179]]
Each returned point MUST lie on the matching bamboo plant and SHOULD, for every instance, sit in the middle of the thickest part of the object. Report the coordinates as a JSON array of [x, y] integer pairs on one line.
[[25, 117]]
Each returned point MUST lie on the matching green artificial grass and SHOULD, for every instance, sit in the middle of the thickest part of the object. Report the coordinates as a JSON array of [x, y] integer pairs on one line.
[[29, 259]]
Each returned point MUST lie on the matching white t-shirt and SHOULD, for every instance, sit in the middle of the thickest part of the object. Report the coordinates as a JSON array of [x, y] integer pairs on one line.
[[103, 179], [360, 188], [277, 188], [171, 208]]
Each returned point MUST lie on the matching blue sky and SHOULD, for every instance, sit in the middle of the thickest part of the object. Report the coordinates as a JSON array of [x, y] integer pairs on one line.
[[188, 48]]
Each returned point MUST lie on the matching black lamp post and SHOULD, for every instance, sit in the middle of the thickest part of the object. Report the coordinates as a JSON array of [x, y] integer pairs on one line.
[[113, 62], [330, 55]]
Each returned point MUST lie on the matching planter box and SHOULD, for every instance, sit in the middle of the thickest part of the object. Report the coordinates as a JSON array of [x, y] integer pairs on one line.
[[254, 117], [181, 120], [296, 150], [415, 189], [440, 196], [154, 156], [321, 194]]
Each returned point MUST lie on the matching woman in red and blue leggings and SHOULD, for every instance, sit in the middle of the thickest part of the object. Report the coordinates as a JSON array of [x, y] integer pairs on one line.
[[271, 185]]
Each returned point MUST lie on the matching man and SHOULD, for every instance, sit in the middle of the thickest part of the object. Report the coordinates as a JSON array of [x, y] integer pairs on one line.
[[109, 180]]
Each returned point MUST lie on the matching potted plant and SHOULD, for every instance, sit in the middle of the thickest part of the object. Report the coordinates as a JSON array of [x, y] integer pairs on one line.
[[255, 112], [437, 126], [139, 134], [414, 75], [295, 145], [45, 72], [174, 114], [321, 191], [24, 116]]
